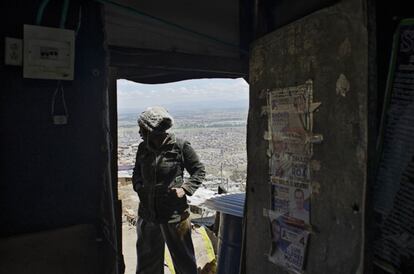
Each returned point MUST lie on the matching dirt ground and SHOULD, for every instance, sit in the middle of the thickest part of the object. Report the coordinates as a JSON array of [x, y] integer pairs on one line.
[[130, 204], [129, 238]]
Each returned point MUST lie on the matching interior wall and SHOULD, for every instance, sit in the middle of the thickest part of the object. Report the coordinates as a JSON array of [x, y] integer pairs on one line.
[[52, 175], [69, 250], [322, 46]]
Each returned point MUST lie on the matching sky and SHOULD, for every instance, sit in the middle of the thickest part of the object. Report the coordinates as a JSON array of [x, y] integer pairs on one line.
[[183, 95]]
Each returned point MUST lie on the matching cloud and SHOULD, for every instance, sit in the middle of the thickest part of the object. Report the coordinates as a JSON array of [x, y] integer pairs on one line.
[[232, 92]]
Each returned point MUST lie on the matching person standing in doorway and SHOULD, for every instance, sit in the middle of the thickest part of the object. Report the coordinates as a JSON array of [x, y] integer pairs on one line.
[[158, 179]]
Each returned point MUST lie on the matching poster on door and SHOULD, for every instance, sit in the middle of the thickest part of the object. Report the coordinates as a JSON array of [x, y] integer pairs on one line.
[[288, 244], [290, 167], [290, 112], [291, 199], [290, 134]]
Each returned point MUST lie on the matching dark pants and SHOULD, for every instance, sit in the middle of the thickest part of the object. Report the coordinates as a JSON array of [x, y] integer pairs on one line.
[[151, 242]]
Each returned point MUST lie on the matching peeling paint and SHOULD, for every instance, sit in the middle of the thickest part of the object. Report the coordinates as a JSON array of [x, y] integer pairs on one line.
[[267, 136], [256, 67], [308, 63], [314, 106], [269, 153], [315, 165], [361, 155], [345, 48], [315, 139], [307, 44], [342, 85], [263, 93], [264, 111], [291, 41], [315, 187]]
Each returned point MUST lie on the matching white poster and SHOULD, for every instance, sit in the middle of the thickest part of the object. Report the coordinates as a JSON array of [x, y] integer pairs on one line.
[[288, 244], [290, 111], [292, 200]]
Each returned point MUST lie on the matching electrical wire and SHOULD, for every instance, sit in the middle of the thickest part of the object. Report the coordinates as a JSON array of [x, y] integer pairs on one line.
[[78, 26], [64, 14], [40, 11], [59, 87]]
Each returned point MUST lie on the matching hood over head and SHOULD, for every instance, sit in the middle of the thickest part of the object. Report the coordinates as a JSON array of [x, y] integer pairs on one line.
[[155, 119]]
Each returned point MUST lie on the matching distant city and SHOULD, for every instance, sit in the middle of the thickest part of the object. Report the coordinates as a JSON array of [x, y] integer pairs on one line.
[[217, 135]]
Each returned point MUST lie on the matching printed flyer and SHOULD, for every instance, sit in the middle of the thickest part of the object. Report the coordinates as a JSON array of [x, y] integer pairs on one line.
[[288, 244]]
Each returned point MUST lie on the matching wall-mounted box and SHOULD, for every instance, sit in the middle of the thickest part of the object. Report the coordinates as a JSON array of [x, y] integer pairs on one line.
[[13, 51], [49, 53]]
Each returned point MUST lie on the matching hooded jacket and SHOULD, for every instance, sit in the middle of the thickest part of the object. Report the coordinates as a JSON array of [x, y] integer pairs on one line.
[[156, 171], [155, 119]]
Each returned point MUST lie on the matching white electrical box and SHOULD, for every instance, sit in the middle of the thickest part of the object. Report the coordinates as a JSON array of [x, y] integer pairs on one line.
[[49, 53]]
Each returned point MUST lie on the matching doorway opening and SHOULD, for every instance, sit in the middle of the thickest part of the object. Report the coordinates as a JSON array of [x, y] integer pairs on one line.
[[209, 113]]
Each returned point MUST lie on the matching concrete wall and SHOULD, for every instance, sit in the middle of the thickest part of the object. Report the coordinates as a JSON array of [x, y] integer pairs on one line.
[[321, 47], [73, 249], [52, 176]]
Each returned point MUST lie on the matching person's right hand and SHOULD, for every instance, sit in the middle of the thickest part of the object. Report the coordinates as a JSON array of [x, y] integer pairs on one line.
[[180, 192]]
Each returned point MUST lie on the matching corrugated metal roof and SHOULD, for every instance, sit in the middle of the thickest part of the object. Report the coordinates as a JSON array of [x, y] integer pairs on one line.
[[232, 204]]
